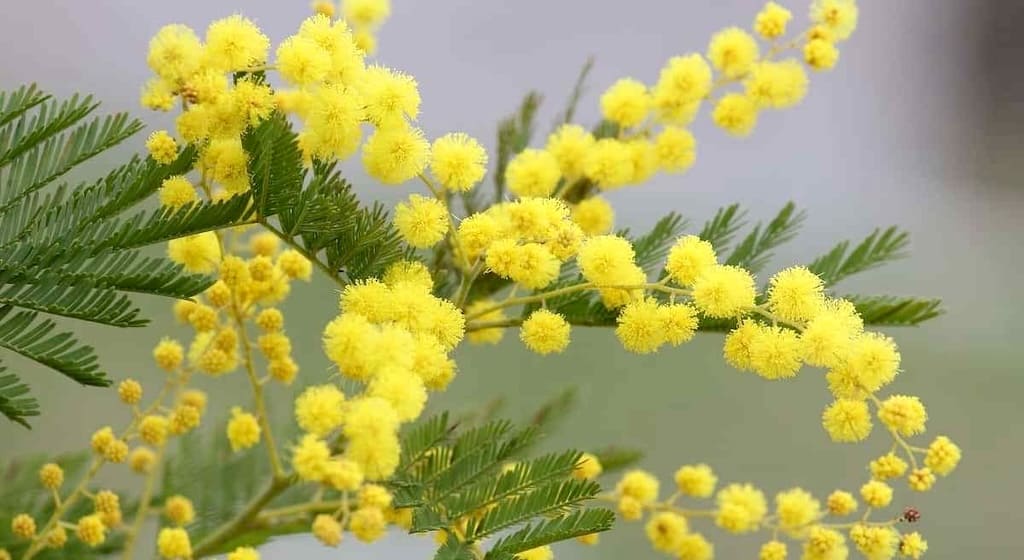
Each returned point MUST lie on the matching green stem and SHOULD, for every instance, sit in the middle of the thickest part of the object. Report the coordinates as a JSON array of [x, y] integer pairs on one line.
[[64, 506], [238, 525], [132, 535]]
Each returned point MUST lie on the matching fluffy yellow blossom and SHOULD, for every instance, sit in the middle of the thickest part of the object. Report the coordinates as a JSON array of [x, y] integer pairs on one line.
[[226, 162], [129, 391], [821, 54], [389, 95], [332, 125], [51, 476], [202, 318], [162, 147], [91, 530], [235, 43], [366, 13], [404, 390], [824, 544], [921, 480], [777, 85], [795, 510], [174, 52], [219, 294], [173, 543], [538, 553], [243, 430], [327, 530], [733, 52], [374, 496], [666, 530], [141, 460], [533, 173], [695, 547], [688, 258], [274, 345], [365, 41], [106, 501], [378, 457], [157, 95], [318, 409], [644, 159], [153, 429], [828, 337], [838, 16], [724, 291], [310, 458], [697, 481], [56, 537], [847, 420], [344, 474], [283, 369], [888, 466], [771, 21], [679, 322], [367, 524], [736, 114], [179, 510], [903, 414], [913, 545], [198, 253], [409, 272], [736, 349], [347, 341], [590, 540], [639, 485], [630, 509], [177, 191], [570, 144], [626, 103], [588, 467], [741, 507], [841, 503], [594, 215], [639, 326], [609, 164], [458, 161], [675, 149], [184, 418], [23, 526], [773, 550], [395, 153], [775, 352], [875, 543], [476, 233], [301, 61], [942, 456], [682, 84], [102, 439], [244, 553], [254, 100], [876, 493], [545, 332]]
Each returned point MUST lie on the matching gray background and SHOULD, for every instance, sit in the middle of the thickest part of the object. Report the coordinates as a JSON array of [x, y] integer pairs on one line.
[[919, 125]]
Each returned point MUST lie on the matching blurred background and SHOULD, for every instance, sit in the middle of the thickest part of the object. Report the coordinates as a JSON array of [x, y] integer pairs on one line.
[[919, 125]]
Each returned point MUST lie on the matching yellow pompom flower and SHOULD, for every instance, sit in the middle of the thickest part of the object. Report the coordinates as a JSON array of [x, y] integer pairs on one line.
[[395, 153], [736, 114], [679, 322], [644, 158], [724, 291], [243, 430], [91, 530], [409, 272], [796, 509], [219, 294], [311, 458], [847, 420], [682, 84], [570, 144], [545, 332], [741, 508], [255, 101], [773, 550], [129, 391], [587, 468], [333, 121], [821, 54], [174, 52], [389, 95], [23, 526], [838, 16], [675, 149], [776, 85], [888, 466], [319, 409], [666, 530], [244, 553], [421, 221], [198, 253], [913, 545], [841, 503], [903, 414], [796, 294], [404, 390], [184, 418], [458, 161], [179, 510], [153, 429], [365, 41], [829, 337], [640, 327], [626, 103], [162, 148], [377, 457], [367, 524], [688, 258], [327, 530], [771, 21], [630, 509], [638, 484], [921, 480], [775, 352], [301, 61], [694, 546], [594, 215], [733, 52], [876, 494], [366, 13], [697, 481], [875, 543], [476, 233], [609, 164], [157, 95], [56, 538], [824, 544], [51, 476], [942, 456], [227, 163], [173, 543], [141, 460], [177, 191], [347, 341], [533, 173], [107, 502], [538, 553], [736, 349], [344, 475], [374, 496], [235, 43]]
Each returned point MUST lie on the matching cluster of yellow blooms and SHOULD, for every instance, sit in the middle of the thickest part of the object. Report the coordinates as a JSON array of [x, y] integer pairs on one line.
[[393, 337]]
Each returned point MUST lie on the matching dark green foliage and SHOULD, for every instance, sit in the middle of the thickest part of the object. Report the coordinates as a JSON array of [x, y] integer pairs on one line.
[[540, 533], [514, 134], [578, 89], [754, 252], [880, 247], [720, 230], [896, 311], [617, 458]]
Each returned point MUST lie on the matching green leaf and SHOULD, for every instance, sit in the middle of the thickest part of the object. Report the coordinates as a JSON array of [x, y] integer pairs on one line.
[[720, 230], [567, 115], [13, 402], [572, 525], [652, 248], [453, 549], [36, 340], [880, 247], [514, 134], [754, 252], [550, 498], [615, 458], [896, 311]]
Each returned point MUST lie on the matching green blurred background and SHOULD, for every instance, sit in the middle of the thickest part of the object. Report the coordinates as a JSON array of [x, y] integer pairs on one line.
[[919, 125]]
